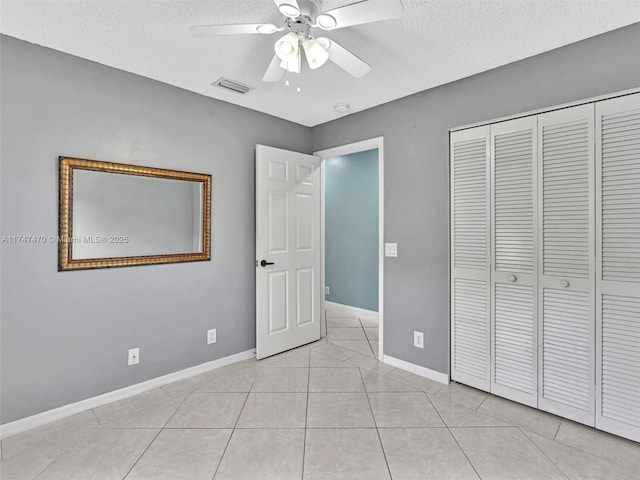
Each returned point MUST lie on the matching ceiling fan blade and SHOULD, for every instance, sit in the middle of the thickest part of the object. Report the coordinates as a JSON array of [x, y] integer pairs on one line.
[[288, 8], [366, 11], [212, 30], [344, 58], [274, 72]]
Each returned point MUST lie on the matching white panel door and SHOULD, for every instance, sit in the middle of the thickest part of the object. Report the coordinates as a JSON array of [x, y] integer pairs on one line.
[[618, 266], [514, 260], [470, 257], [566, 302], [287, 250]]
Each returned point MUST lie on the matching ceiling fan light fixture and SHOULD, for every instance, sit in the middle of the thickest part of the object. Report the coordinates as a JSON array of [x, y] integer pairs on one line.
[[266, 28], [289, 10], [316, 55], [285, 49], [288, 50], [326, 21], [288, 46]]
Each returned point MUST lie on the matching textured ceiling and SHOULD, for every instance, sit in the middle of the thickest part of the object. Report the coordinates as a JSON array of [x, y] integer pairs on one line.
[[435, 42]]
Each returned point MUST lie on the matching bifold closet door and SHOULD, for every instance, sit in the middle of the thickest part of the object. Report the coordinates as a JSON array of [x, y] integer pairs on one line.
[[566, 369], [618, 266], [514, 260], [470, 271]]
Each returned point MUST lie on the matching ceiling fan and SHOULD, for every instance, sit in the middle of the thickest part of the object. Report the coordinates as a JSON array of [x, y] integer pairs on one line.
[[300, 16]]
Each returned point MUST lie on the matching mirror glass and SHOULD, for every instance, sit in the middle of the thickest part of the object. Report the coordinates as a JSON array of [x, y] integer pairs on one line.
[[115, 215], [118, 215]]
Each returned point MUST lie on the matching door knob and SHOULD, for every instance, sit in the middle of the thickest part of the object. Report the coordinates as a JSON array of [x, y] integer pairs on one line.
[[513, 278], [564, 283], [264, 263]]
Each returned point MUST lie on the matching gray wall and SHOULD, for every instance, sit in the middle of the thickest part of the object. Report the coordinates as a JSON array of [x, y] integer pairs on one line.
[[351, 229], [65, 335], [415, 131]]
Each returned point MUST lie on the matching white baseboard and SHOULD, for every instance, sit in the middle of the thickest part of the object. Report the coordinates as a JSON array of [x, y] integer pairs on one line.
[[417, 369], [27, 423], [340, 310]]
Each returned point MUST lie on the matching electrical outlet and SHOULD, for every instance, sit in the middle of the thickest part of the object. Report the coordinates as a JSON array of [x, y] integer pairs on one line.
[[327, 291], [134, 356], [211, 336], [418, 339]]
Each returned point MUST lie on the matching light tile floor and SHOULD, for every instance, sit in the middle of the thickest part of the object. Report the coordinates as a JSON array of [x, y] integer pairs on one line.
[[328, 410]]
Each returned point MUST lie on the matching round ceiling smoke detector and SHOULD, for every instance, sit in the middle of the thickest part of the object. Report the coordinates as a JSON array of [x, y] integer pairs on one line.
[[341, 108], [289, 10], [326, 21]]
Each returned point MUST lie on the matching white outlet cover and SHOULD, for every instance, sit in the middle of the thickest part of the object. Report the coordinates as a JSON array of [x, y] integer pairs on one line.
[[134, 356], [418, 339], [211, 336], [390, 249], [327, 291]]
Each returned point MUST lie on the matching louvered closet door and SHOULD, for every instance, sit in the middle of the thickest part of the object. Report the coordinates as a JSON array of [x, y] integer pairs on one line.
[[618, 266], [566, 210], [470, 272], [513, 293]]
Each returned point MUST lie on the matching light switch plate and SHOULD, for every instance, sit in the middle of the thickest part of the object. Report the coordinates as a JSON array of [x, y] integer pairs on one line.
[[212, 336], [390, 249]]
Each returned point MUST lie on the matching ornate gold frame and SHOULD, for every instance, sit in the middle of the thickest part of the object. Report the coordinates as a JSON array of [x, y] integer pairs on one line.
[[65, 225]]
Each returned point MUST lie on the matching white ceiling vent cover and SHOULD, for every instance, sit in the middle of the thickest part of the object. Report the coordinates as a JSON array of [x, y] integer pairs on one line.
[[232, 85]]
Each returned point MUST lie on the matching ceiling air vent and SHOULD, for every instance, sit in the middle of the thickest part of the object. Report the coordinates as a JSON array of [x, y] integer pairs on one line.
[[232, 85]]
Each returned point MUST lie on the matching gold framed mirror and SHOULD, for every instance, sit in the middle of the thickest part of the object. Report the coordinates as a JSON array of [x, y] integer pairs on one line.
[[117, 215]]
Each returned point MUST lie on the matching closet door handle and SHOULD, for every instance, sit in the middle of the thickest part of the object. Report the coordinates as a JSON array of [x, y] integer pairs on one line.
[[264, 263], [564, 283], [513, 279]]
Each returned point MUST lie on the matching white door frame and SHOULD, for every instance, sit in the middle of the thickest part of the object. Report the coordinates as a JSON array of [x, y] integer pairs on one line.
[[350, 148]]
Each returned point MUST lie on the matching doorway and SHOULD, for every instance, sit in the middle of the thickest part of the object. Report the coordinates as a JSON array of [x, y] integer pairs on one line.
[[366, 303]]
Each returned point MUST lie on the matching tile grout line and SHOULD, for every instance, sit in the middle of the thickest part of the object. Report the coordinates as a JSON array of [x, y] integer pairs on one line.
[[162, 429], [95, 416], [453, 436], [482, 402], [508, 422], [543, 452], [464, 453], [142, 454], [233, 430], [608, 459], [306, 416], [384, 454], [558, 429], [176, 410], [98, 427], [367, 338], [61, 454]]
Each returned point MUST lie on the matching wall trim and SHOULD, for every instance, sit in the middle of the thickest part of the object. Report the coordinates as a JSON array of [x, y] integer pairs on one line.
[[417, 369], [341, 310], [39, 419]]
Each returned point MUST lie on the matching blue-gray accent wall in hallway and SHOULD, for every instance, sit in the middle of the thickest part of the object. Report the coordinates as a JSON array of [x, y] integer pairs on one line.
[[351, 229]]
